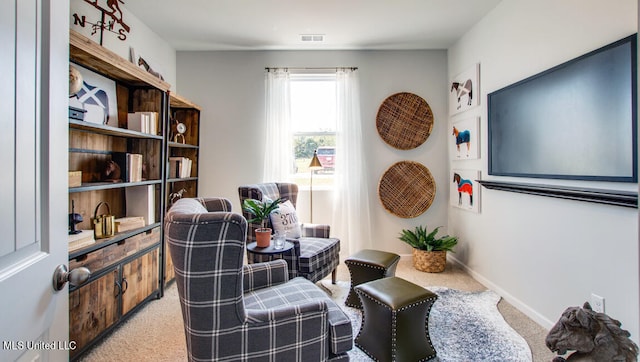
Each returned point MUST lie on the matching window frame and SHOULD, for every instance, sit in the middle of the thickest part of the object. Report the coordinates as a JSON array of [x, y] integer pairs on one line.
[[313, 75]]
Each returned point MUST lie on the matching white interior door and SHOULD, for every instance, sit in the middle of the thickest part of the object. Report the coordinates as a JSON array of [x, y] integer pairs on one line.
[[33, 182]]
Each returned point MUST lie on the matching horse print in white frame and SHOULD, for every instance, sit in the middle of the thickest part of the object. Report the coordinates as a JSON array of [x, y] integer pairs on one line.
[[97, 97], [464, 139], [464, 90], [464, 189]]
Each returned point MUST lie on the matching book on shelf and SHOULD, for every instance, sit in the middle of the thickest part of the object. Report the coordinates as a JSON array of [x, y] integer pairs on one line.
[[130, 165], [179, 167], [145, 122], [80, 240], [129, 223], [141, 201]]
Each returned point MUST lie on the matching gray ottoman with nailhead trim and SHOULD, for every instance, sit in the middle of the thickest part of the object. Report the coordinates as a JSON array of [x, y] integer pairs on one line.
[[367, 265], [395, 321]]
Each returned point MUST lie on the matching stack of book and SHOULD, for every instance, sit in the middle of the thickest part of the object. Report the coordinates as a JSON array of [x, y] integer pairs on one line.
[[179, 167], [129, 223], [80, 240], [130, 165], [145, 122]]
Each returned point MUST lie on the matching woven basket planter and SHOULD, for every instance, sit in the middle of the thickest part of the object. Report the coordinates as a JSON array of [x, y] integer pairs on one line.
[[429, 261]]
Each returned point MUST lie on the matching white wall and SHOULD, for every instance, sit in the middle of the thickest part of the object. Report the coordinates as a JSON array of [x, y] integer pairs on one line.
[[157, 52], [229, 86], [541, 254], [545, 254]]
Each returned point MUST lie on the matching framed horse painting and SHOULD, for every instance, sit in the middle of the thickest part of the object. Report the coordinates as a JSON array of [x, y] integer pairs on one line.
[[97, 98], [464, 139], [464, 90], [465, 190]]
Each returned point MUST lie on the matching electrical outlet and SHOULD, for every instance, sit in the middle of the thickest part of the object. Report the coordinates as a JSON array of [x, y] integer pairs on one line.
[[597, 303]]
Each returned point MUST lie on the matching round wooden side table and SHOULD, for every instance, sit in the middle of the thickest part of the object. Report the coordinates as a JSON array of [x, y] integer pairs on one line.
[[257, 255]]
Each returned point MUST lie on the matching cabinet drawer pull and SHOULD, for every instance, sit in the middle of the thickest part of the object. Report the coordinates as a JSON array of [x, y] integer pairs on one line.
[[126, 285], [119, 289]]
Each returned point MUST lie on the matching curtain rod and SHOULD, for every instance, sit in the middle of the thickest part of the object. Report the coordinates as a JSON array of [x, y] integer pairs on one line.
[[310, 68]]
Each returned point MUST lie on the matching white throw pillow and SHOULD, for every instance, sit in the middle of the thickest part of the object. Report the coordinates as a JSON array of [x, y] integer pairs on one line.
[[285, 219]]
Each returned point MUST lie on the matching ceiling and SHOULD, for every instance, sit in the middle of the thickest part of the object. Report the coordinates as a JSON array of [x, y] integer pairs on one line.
[[191, 25]]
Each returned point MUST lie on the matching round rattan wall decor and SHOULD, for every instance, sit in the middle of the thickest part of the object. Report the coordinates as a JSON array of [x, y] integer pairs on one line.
[[407, 189], [404, 120]]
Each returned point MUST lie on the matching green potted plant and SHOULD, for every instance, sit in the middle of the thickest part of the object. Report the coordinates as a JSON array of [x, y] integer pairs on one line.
[[429, 251], [261, 210]]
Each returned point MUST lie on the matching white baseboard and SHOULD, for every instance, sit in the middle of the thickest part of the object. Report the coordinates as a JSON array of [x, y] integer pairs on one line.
[[517, 303]]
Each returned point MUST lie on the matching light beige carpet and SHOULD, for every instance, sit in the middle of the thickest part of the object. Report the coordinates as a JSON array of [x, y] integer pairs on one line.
[[155, 333]]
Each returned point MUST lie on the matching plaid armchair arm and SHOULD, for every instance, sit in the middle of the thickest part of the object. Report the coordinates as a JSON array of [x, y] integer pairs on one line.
[[215, 203], [315, 230], [262, 275], [307, 311], [287, 333]]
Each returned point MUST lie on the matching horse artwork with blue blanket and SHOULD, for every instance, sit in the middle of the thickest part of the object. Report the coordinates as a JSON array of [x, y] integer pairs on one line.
[[464, 186], [91, 95], [462, 137]]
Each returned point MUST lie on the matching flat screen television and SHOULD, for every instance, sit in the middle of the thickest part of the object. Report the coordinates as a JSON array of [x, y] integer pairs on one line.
[[576, 121]]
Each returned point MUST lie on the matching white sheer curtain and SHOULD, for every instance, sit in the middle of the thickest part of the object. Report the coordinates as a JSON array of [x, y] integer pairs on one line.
[[351, 217], [278, 156]]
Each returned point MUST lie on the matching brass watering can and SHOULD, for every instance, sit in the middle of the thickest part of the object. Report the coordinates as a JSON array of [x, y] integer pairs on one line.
[[104, 225]]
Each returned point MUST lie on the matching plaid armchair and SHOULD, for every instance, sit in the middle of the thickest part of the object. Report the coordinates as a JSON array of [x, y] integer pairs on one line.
[[250, 313], [314, 254]]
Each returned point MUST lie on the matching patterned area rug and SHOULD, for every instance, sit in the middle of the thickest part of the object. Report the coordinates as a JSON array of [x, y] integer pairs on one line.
[[463, 326]]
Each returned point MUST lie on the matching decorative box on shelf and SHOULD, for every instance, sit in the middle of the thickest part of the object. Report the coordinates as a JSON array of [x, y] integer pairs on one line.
[[76, 113], [75, 178]]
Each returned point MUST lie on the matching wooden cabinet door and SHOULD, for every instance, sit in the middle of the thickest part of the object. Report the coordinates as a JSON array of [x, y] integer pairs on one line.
[[92, 309], [139, 279]]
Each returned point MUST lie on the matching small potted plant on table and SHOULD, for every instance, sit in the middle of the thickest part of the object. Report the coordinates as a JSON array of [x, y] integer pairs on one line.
[[429, 252], [261, 210]]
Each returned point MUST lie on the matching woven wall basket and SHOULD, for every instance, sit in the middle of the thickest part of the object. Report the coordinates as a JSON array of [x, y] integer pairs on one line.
[[404, 121], [407, 189], [429, 261]]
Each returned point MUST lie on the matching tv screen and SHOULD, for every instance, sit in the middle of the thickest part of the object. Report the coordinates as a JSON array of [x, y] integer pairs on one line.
[[575, 121]]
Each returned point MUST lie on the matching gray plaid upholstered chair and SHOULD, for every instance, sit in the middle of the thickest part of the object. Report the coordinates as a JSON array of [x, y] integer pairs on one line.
[[254, 312], [315, 254]]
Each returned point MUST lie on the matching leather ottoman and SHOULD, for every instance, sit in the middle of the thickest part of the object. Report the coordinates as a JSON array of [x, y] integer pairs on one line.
[[367, 265], [395, 322]]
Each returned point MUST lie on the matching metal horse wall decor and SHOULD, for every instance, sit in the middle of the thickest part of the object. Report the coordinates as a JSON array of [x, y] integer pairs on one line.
[[110, 8]]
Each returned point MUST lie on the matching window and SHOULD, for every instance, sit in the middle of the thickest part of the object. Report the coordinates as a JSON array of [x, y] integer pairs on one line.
[[313, 119]]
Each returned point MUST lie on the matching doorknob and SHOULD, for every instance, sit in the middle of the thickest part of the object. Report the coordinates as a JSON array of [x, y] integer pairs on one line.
[[75, 277]]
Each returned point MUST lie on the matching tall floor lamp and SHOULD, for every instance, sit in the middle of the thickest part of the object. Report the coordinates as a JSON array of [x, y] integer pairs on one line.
[[314, 165]]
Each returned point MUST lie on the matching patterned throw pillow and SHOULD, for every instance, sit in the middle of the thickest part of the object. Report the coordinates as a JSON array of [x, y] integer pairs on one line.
[[285, 219]]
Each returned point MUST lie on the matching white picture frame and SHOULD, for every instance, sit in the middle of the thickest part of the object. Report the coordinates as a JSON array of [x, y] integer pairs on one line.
[[464, 90], [97, 98], [464, 139], [465, 189]]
